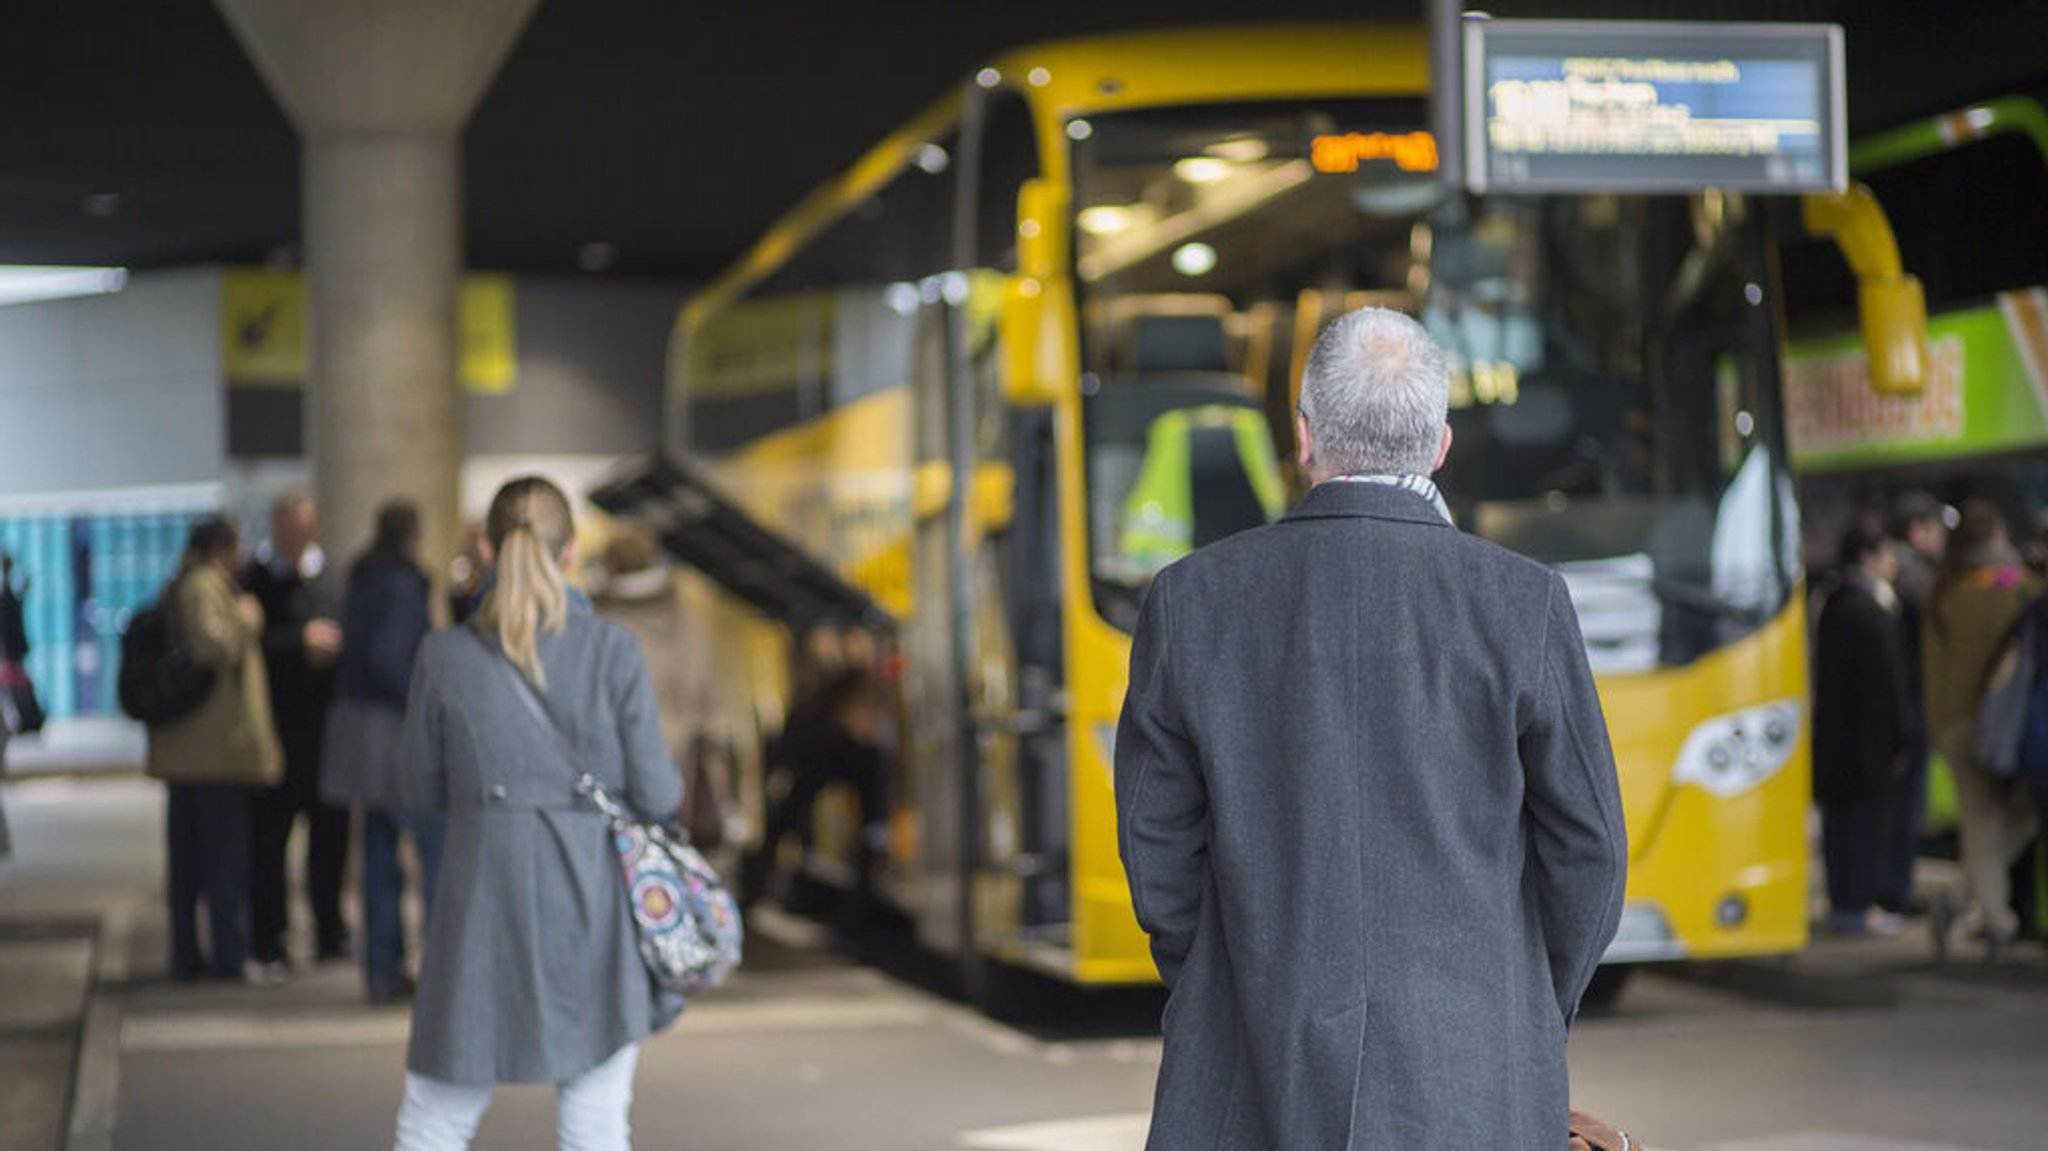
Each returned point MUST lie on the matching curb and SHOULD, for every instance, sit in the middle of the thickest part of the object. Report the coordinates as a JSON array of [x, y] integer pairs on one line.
[[93, 1102]]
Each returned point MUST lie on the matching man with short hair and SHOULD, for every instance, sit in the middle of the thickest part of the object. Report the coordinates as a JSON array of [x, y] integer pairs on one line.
[[1366, 801], [302, 600]]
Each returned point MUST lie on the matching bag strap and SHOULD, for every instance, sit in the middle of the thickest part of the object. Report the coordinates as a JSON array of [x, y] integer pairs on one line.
[[587, 783], [536, 707]]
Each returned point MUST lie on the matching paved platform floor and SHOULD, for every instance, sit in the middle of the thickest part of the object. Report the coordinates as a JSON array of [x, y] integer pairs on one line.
[[804, 1051]]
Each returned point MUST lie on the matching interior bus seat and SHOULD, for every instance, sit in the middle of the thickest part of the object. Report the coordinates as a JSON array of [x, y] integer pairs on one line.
[[1176, 343], [1224, 500]]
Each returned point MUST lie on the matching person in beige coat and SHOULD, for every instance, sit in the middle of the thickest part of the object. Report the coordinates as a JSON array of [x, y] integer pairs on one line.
[[211, 757], [1982, 592], [640, 594]]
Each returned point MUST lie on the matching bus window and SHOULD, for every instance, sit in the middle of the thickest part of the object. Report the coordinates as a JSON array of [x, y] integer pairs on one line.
[[1614, 390], [835, 324]]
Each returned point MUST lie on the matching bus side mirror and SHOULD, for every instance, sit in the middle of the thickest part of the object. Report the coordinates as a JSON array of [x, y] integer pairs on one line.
[[1890, 303], [1038, 302]]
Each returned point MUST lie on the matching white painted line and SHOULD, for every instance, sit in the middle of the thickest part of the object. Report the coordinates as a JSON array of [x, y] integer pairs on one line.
[[1098, 1133]]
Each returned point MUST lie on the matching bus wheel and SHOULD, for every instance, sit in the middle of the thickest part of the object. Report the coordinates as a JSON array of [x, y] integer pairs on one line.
[[1604, 993]]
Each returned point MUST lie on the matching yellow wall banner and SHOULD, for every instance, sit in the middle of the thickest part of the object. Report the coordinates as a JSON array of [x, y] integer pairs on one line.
[[264, 320]]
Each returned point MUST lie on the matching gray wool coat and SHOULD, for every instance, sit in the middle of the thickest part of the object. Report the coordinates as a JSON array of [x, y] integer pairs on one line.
[[1372, 824], [532, 969]]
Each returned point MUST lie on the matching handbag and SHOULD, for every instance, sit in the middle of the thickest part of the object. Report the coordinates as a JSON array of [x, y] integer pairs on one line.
[[21, 713], [688, 923], [1590, 1134]]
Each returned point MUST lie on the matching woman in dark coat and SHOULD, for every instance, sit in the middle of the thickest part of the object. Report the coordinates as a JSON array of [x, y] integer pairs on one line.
[[1862, 728], [532, 969], [385, 622]]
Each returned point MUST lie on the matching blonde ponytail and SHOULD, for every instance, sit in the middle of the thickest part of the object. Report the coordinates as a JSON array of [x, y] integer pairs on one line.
[[529, 528]]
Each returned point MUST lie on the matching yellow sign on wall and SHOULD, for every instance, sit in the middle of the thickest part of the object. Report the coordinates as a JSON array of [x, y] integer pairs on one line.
[[264, 324]]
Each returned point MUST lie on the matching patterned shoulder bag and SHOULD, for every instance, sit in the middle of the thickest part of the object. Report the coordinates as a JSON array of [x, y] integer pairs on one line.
[[689, 924]]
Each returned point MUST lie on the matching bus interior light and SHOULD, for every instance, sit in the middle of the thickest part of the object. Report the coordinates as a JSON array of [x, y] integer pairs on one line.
[[1734, 753], [988, 77], [1194, 259], [1106, 219], [933, 159], [1079, 130], [1202, 169], [1239, 149], [1039, 77]]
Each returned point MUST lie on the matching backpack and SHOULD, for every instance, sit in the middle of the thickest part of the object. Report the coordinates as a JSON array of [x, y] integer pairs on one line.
[[159, 681], [2012, 721]]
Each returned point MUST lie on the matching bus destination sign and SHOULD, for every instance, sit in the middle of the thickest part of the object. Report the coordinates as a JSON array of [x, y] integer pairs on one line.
[[1570, 106]]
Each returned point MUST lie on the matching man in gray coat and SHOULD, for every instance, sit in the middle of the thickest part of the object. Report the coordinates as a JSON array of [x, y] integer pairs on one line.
[[1367, 805]]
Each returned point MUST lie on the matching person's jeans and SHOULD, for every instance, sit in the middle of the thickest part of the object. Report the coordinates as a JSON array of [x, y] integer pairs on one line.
[[590, 1110], [206, 834], [384, 888], [1902, 846], [272, 813]]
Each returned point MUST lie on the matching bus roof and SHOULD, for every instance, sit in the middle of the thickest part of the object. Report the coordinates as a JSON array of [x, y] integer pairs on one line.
[[1067, 78]]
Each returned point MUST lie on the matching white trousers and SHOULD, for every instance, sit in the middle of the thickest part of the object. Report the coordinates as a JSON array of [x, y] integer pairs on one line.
[[590, 1110]]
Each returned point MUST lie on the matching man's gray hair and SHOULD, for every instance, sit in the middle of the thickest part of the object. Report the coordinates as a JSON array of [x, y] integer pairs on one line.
[[1376, 395]]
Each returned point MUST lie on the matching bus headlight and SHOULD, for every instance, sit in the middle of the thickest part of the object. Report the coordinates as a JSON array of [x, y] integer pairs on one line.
[[1730, 754]]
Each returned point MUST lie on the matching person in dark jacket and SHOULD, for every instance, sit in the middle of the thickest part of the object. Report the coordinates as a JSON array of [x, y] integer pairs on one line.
[[1864, 730], [301, 602], [385, 622], [1365, 800]]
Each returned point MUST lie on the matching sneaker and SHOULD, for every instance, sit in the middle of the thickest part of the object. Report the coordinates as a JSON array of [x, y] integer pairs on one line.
[[1883, 923], [1997, 947], [257, 973]]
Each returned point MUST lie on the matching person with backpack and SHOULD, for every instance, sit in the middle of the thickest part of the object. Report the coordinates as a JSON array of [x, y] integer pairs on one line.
[[1863, 730], [386, 620], [538, 977], [213, 753], [1982, 592]]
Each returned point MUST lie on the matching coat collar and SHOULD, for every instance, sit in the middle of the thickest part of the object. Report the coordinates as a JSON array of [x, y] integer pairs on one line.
[[1337, 500]]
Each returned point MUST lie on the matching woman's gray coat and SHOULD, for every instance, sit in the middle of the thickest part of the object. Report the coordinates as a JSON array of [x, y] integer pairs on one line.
[[532, 969], [1372, 824]]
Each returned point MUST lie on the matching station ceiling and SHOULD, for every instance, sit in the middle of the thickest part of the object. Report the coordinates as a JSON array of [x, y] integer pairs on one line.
[[136, 132]]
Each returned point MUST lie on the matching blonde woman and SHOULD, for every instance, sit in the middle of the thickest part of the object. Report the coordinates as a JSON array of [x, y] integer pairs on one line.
[[532, 973]]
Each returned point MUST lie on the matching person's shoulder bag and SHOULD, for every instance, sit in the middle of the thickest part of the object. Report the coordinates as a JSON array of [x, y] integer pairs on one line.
[[689, 924]]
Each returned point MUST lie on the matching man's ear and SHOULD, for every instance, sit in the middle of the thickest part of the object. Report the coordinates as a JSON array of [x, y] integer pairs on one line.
[[1304, 444], [1443, 451]]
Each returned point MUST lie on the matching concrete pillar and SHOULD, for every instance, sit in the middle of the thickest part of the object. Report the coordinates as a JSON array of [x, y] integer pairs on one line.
[[379, 91]]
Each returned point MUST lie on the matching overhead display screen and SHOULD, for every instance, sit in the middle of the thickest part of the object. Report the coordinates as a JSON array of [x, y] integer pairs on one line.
[[1569, 106]]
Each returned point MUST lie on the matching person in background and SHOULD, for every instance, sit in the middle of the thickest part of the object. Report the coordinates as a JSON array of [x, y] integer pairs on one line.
[[1980, 594], [1920, 538], [1863, 729], [466, 573], [302, 643], [212, 757], [13, 674], [640, 594], [386, 621], [539, 978], [831, 735]]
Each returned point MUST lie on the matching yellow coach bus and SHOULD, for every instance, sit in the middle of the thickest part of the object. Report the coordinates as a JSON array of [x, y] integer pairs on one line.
[[1117, 252]]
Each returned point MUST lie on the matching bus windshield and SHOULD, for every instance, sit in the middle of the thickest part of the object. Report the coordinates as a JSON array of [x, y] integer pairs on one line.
[[1615, 399]]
